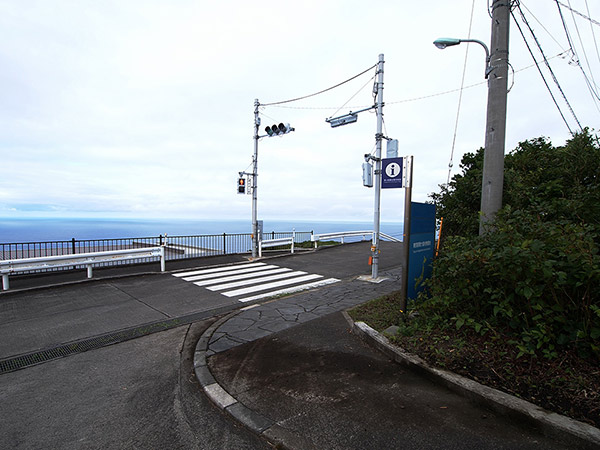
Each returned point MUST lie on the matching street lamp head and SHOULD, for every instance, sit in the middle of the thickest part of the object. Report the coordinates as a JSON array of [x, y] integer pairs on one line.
[[442, 43]]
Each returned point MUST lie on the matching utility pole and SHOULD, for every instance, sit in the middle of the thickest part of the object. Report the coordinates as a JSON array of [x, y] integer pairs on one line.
[[254, 181], [406, 233], [495, 133], [378, 139]]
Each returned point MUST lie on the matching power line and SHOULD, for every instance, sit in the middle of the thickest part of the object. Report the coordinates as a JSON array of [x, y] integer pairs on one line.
[[591, 84], [595, 22], [414, 99], [320, 92], [547, 65], [592, 30], [462, 84]]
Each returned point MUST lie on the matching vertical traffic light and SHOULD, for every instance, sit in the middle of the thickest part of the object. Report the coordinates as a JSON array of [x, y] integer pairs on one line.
[[241, 185]]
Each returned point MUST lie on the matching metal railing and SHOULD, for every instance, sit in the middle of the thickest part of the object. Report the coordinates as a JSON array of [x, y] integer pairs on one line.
[[176, 247], [87, 260]]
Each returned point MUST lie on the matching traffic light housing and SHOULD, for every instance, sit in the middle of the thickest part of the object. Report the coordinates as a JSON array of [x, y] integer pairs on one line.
[[241, 185], [278, 130]]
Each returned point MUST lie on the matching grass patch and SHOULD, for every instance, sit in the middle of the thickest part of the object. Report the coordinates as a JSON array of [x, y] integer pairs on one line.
[[379, 313]]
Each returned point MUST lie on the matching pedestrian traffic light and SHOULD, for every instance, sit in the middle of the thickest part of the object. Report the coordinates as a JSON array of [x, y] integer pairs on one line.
[[278, 130], [241, 185]]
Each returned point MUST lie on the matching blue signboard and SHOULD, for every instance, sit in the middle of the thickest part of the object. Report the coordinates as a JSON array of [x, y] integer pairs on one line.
[[391, 173], [421, 246]]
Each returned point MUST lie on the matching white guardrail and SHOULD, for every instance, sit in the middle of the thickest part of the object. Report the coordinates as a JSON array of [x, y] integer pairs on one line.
[[276, 243], [9, 267], [344, 234]]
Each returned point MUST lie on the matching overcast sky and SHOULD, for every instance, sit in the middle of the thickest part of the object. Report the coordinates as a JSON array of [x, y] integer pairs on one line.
[[144, 109]]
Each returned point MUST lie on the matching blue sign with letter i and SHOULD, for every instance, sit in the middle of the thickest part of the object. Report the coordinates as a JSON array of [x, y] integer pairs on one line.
[[391, 173]]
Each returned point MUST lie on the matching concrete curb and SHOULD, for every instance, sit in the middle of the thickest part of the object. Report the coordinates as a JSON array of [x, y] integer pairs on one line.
[[550, 423], [259, 424]]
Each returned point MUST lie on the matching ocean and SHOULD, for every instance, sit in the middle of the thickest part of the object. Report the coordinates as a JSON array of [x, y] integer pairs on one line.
[[62, 229]]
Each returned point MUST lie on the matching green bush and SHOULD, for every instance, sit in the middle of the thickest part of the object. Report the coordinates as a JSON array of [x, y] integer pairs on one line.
[[536, 277], [537, 281]]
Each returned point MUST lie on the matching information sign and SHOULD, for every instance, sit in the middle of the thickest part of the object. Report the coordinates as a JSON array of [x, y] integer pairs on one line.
[[391, 173]]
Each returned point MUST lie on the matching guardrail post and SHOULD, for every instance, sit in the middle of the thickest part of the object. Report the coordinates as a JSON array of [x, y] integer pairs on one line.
[[224, 243], [293, 238], [89, 271], [5, 285], [162, 258], [73, 245]]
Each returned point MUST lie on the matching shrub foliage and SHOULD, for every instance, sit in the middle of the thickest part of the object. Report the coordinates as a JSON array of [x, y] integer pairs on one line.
[[536, 277]]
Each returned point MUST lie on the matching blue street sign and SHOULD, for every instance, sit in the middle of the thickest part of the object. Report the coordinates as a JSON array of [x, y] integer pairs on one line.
[[422, 240], [391, 173]]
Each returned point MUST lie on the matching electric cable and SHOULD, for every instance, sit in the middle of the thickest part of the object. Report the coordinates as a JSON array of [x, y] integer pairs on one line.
[[350, 99], [592, 30], [547, 65], [462, 84], [595, 22], [591, 84], [320, 92], [413, 99]]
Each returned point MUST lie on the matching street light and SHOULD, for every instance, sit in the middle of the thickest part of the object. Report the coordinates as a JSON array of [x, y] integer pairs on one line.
[[442, 43], [495, 128]]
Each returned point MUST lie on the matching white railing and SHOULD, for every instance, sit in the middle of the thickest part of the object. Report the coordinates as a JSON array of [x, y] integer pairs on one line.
[[276, 243], [9, 267], [345, 234], [387, 237], [339, 235]]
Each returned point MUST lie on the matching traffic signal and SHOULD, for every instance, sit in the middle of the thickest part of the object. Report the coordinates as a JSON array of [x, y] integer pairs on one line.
[[278, 130], [241, 185]]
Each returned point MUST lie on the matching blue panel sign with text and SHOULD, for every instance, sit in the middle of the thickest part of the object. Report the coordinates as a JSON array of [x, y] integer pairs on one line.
[[422, 242], [391, 173]]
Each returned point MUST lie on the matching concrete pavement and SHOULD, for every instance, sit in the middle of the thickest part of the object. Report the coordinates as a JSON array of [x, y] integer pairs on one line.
[[294, 372]]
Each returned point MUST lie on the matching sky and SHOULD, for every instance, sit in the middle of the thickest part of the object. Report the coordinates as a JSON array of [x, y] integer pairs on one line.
[[145, 109]]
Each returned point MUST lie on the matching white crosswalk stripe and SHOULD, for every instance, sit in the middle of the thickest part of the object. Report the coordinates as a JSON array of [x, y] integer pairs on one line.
[[261, 279]]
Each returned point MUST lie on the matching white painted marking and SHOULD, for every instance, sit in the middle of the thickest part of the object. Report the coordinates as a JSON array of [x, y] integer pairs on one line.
[[290, 290], [264, 287], [243, 276], [228, 273], [235, 284], [216, 269]]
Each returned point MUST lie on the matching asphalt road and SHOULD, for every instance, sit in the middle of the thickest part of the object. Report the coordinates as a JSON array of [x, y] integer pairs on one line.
[[137, 394], [141, 393]]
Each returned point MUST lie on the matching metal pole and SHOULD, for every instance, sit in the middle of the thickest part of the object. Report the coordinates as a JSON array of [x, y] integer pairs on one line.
[[254, 181], [378, 138], [495, 133], [406, 233]]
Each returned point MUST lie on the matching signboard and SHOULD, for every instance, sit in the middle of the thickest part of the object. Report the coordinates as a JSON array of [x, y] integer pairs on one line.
[[391, 173], [421, 246]]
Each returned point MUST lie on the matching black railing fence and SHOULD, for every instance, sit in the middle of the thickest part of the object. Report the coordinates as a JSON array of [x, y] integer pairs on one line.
[[176, 247]]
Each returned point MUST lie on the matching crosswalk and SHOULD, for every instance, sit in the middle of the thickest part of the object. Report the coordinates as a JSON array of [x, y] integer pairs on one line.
[[254, 281]]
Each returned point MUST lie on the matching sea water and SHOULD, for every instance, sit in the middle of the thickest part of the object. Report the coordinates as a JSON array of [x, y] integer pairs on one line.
[[62, 229]]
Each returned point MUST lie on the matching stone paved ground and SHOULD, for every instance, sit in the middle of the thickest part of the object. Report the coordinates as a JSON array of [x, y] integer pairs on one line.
[[259, 321]]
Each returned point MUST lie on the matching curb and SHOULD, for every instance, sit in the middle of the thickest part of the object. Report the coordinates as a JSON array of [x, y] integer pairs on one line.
[[550, 423], [259, 424]]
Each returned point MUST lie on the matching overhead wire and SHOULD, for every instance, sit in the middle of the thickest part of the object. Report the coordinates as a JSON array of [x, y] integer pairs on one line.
[[415, 99], [351, 98], [592, 30], [547, 65], [595, 22], [322, 91], [462, 84]]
